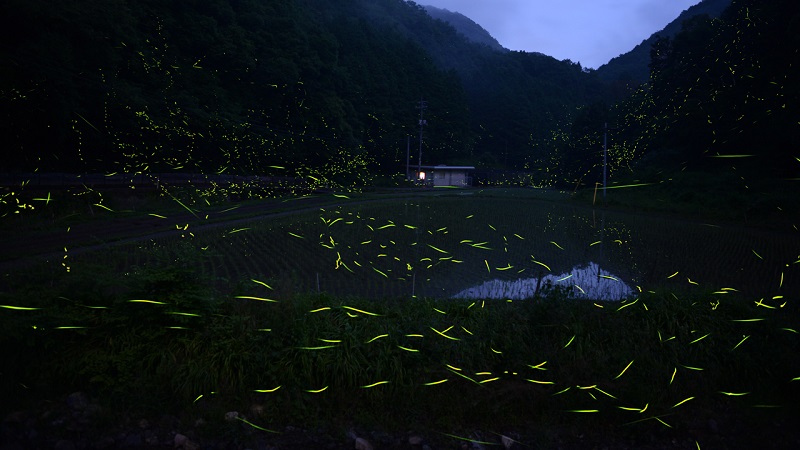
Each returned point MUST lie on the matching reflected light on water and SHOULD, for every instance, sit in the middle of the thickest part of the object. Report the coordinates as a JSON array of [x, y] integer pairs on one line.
[[588, 281]]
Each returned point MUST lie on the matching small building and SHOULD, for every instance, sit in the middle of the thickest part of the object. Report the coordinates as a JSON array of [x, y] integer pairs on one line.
[[443, 175]]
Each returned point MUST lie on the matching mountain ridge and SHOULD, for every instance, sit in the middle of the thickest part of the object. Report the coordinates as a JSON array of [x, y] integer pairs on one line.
[[333, 78], [467, 27], [633, 66]]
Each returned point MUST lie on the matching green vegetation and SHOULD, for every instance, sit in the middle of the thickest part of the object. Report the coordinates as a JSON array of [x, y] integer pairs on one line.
[[719, 102], [328, 94], [222, 319], [720, 196], [444, 242], [340, 310], [326, 98], [632, 68], [281, 88], [465, 26], [165, 339]]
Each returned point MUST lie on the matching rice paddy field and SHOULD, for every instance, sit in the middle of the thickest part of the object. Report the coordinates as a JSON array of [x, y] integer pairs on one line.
[[442, 246], [441, 312]]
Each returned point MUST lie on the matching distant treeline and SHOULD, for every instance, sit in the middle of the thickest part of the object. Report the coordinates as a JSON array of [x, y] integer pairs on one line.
[[723, 89], [723, 94], [93, 85], [331, 89]]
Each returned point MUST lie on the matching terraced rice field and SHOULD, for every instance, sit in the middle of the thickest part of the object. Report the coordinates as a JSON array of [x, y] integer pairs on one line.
[[439, 247]]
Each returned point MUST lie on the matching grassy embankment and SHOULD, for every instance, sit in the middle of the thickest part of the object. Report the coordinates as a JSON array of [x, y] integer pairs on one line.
[[721, 196], [166, 338]]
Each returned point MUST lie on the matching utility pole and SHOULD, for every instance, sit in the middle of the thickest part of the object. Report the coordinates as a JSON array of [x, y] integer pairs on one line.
[[408, 153], [422, 122], [605, 159]]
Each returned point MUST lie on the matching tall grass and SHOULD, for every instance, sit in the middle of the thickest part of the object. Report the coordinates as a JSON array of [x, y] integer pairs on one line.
[[265, 313], [318, 357], [723, 195]]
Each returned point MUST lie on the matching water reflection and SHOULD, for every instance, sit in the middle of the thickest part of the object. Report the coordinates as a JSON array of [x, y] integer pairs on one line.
[[589, 281]]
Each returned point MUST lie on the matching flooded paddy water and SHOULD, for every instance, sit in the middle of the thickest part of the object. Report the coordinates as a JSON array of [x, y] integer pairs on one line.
[[503, 248]]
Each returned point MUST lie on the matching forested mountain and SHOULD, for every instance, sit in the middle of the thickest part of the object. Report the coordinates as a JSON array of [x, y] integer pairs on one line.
[[723, 95], [213, 85], [633, 67], [464, 25], [327, 88], [512, 96]]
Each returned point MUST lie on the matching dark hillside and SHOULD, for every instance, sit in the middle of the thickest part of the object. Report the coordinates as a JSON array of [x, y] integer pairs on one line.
[[464, 25], [722, 96], [213, 85], [632, 67], [513, 96], [323, 88], [721, 103]]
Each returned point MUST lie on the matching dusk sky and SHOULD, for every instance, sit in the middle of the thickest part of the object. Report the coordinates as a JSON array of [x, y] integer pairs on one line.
[[587, 31]]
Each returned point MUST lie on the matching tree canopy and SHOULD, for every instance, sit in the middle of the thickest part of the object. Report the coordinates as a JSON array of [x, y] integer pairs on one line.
[[330, 89], [723, 88], [245, 85]]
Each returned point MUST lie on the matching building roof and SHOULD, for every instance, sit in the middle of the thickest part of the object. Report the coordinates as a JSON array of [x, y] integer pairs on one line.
[[445, 167]]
